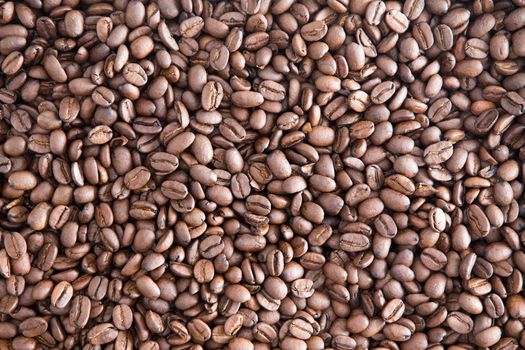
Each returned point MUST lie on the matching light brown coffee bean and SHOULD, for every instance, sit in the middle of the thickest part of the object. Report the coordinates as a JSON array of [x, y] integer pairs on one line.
[[353, 242], [135, 74], [62, 294], [396, 21], [100, 135], [393, 310], [122, 317], [191, 27], [102, 334], [212, 95], [314, 31]]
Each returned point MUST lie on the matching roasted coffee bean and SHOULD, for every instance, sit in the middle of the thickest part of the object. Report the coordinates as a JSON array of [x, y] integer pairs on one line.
[[100, 135], [191, 26], [393, 310], [233, 324], [33, 326], [354, 242], [135, 74], [460, 322], [122, 317], [396, 21], [247, 99], [212, 95], [15, 245], [80, 311], [199, 330], [102, 334], [61, 295]]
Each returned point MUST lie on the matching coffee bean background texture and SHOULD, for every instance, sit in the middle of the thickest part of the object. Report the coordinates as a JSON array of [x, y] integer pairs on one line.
[[262, 174]]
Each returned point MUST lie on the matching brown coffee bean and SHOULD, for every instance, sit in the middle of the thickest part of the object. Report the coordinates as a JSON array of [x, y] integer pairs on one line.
[[433, 259], [33, 326], [12, 63], [137, 178], [247, 99], [141, 47], [327, 83], [237, 293], [122, 317], [321, 136], [314, 31], [212, 95], [300, 329], [15, 245], [62, 294], [396, 332], [393, 310], [102, 334], [200, 330], [135, 74], [80, 310], [354, 242], [488, 336], [382, 92], [460, 322], [272, 91], [22, 180], [148, 287], [477, 220], [191, 27], [100, 135], [513, 103], [396, 21]]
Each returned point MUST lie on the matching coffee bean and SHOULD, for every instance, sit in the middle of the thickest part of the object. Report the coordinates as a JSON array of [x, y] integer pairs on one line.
[[396, 21], [62, 294], [137, 178], [478, 221], [354, 242], [80, 310], [33, 326], [102, 334], [148, 287], [460, 322], [494, 305], [12, 63], [321, 136], [212, 95], [54, 69], [141, 47], [191, 27], [513, 103], [200, 330], [438, 153], [393, 310], [382, 92], [247, 99], [219, 57], [22, 180], [15, 245], [488, 336], [314, 31], [300, 329], [122, 317], [135, 74], [100, 135]]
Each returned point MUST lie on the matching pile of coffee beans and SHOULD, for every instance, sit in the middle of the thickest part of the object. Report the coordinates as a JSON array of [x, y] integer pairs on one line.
[[262, 174]]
